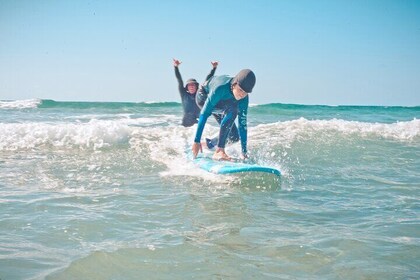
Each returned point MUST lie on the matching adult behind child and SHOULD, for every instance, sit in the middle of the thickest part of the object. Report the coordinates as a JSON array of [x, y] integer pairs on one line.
[[188, 93]]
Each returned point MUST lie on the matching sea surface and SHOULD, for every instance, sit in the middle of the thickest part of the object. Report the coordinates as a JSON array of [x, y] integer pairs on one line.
[[92, 190]]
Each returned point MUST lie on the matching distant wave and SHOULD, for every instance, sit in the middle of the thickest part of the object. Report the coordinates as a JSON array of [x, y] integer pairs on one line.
[[264, 108], [333, 107], [48, 103], [20, 104]]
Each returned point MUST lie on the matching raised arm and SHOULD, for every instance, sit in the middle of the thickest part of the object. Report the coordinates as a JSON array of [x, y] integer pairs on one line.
[[178, 76], [213, 70]]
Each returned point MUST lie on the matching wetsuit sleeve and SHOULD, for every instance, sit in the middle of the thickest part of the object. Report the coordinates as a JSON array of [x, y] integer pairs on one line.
[[211, 74], [180, 81], [206, 111], [200, 127], [211, 101], [242, 121]]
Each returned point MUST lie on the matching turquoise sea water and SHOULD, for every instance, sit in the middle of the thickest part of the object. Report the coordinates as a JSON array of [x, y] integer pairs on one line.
[[104, 191]]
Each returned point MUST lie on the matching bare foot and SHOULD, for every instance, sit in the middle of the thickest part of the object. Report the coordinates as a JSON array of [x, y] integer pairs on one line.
[[221, 155]]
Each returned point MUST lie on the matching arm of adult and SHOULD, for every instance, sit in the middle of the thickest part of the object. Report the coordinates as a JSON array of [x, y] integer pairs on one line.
[[178, 76], [213, 70]]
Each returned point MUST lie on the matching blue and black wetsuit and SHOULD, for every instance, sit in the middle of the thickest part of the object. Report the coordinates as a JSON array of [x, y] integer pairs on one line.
[[216, 98], [191, 110]]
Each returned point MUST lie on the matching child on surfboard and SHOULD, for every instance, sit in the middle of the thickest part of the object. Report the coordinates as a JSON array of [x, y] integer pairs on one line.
[[227, 98], [188, 93]]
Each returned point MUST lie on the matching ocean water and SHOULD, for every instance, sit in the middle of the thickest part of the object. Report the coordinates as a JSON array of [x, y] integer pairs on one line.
[[105, 191]]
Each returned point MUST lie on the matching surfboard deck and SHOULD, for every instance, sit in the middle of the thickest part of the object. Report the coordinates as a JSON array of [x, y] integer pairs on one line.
[[231, 167]]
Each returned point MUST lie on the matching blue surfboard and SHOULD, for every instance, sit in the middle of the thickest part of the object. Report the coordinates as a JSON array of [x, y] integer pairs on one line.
[[231, 167]]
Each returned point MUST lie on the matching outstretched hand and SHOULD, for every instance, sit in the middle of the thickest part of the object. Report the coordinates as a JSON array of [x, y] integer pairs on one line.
[[176, 62], [196, 147], [214, 63]]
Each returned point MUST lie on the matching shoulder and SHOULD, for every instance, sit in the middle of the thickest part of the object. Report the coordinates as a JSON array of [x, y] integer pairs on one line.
[[217, 81], [219, 84]]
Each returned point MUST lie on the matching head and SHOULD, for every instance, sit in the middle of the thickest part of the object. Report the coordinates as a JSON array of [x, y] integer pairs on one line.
[[191, 86], [243, 83]]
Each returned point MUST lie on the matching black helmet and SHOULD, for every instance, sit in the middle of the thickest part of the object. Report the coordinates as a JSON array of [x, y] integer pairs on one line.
[[246, 80]]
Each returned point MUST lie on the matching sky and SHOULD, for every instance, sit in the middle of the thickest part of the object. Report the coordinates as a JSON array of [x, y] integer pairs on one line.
[[319, 52]]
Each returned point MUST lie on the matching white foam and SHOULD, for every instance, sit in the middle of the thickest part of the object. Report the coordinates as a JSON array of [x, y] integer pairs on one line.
[[92, 135], [74, 190], [146, 134], [403, 131], [168, 145], [20, 104]]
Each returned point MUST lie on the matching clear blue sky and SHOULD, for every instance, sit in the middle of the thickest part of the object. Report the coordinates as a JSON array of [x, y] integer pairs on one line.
[[305, 52]]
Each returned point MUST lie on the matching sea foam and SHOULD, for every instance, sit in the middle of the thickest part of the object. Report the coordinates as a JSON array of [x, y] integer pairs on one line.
[[403, 131], [97, 134], [92, 135]]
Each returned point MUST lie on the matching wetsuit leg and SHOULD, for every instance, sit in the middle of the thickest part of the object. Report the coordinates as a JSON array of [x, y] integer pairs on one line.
[[233, 134], [227, 120]]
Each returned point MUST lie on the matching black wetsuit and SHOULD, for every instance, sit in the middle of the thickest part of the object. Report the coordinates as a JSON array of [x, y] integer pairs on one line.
[[191, 110]]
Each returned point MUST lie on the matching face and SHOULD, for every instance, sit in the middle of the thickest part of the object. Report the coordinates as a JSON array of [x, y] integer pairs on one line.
[[238, 93], [192, 88]]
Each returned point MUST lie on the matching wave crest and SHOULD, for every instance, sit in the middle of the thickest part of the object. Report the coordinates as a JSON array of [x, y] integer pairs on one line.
[[97, 134], [403, 131], [20, 104], [92, 135]]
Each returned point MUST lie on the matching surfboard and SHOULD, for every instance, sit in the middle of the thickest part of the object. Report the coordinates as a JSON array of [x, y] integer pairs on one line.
[[231, 167]]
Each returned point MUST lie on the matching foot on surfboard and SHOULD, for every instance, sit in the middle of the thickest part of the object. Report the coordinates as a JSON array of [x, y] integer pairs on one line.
[[221, 155]]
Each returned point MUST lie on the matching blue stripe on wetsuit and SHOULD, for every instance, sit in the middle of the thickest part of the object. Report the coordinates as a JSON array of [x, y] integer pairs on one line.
[[242, 121]]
